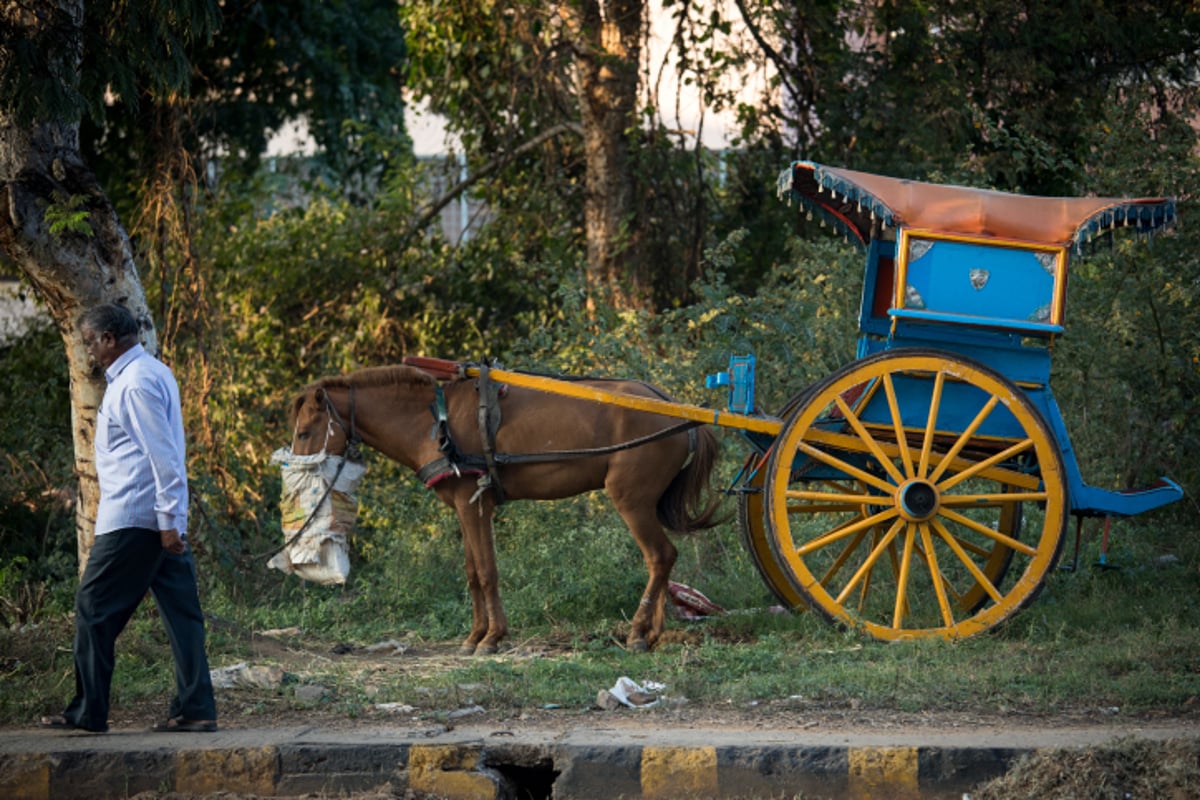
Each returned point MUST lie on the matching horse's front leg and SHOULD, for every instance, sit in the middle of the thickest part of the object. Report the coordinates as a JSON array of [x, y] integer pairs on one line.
[[489, 622]]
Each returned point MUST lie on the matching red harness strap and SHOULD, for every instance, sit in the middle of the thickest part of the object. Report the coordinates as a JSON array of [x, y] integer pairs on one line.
[[441, 368], [443, 464]]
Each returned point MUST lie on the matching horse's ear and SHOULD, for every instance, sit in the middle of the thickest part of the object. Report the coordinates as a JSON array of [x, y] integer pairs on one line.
[[295, 411], [302, 398]]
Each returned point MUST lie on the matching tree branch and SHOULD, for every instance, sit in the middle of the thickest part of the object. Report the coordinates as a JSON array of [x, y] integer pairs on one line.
[[772, 55], [496, 163]]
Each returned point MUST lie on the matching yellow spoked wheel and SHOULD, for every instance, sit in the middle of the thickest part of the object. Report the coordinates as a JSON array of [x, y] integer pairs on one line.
[[895, 495], [995, 556]]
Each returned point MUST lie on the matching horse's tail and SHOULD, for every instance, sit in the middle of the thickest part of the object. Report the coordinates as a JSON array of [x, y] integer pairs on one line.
[[678, 504]]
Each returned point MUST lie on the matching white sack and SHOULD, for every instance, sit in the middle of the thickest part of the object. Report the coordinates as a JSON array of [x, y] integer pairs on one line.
[[322, 553]]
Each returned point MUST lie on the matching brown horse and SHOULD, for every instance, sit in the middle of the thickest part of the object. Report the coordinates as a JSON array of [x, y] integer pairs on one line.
[[661, 482]]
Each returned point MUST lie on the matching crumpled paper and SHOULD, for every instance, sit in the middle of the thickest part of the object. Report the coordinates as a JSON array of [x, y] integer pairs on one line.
[[626, 692], [243, 675]]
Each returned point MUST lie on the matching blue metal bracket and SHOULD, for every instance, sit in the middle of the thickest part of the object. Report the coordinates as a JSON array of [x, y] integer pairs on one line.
[[740, 380]]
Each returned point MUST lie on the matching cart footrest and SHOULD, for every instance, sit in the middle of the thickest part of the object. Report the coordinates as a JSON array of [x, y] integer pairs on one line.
[[1094, 502]]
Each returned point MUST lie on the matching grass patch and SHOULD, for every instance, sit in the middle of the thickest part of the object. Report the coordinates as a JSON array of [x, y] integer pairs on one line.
[[1095, 641]]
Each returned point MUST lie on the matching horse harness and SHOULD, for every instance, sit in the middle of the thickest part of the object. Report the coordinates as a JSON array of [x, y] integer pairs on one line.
[[353, 440], [454, 462]]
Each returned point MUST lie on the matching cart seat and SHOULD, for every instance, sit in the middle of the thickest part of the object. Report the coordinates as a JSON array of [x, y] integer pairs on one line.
[[861, 205]]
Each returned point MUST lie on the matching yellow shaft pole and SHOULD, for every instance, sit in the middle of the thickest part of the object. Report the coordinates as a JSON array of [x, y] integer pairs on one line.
[[724, 419]]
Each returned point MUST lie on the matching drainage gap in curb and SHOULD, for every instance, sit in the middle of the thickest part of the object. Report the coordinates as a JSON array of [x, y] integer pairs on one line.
[[534, 782]]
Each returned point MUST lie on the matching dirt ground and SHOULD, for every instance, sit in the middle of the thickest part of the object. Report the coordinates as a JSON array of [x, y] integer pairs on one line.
[[254, 707]]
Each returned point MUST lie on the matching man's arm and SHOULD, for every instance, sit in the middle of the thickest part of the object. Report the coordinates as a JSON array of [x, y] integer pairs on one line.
[[149, 411]]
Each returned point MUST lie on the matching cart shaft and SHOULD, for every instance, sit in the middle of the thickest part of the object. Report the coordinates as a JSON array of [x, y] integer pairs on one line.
[[580, 391]]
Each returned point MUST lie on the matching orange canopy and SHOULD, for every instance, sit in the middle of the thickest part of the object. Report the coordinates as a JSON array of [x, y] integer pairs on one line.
[[860, 204]]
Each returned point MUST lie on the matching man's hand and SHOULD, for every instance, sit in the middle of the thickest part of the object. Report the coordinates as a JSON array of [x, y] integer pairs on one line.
[[172, 542]]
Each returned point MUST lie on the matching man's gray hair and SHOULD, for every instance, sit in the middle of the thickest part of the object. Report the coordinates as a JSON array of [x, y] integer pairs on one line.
[[110, 318]]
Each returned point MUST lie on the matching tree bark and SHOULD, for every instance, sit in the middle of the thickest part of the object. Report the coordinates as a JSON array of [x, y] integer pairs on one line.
[[610, 44], [41, 169]]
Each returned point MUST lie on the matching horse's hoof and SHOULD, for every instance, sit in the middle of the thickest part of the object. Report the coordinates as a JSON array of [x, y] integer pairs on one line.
[[637, 646], [486, 650], [467, 650]]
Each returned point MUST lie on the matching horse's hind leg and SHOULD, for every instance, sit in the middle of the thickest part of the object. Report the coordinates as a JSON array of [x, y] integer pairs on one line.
[[489, 622], [659, 555]]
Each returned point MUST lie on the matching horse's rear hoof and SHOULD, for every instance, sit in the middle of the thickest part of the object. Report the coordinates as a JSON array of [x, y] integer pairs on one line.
[[486, 650], [467, 650], [637, 646]]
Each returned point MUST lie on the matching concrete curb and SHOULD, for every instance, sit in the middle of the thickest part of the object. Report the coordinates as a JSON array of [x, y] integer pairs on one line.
[[490, 764]]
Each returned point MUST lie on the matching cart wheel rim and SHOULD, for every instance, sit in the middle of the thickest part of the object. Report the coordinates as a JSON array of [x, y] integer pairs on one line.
[[912, 532], [753, 527]]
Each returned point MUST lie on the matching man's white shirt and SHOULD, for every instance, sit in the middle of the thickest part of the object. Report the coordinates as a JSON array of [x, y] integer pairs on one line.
[[141, 454]]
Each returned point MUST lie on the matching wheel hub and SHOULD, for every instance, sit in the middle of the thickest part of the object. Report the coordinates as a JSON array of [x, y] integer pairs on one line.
[[917, 500]]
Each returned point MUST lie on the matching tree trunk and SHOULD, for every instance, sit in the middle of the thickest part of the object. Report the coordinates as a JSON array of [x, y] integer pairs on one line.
[[608, 82], [42, 177]]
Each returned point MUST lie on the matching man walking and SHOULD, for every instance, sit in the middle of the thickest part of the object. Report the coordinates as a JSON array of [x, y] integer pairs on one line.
[[141, 532]]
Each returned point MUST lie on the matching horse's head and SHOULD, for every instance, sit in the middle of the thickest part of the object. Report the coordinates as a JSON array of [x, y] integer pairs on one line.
[[316, 424], [330, 411]]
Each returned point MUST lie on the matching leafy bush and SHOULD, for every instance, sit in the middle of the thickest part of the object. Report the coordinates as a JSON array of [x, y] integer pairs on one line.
[[37, 482]]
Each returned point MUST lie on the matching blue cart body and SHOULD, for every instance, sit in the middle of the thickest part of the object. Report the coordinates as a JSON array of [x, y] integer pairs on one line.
[[975, 273]]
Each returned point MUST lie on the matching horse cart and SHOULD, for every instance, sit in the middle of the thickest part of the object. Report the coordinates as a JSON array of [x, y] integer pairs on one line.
[[925, 488]]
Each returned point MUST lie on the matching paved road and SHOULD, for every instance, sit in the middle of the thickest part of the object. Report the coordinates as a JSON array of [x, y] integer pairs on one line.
[[601, 756]]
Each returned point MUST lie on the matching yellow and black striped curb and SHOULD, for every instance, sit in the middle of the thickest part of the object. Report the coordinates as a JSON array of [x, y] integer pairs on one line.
[[488, 770]]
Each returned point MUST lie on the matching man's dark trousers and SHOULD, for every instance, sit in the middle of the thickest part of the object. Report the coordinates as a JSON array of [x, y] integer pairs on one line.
[[122, 567]]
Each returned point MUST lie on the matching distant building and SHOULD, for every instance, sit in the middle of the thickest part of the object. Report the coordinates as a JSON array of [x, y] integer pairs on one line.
[[460, 218], [465, 214]]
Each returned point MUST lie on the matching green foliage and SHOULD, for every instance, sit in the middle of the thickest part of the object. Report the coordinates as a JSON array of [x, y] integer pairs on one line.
[[1017, 91], [1126, 378], [800, 323], [66, 216], [125, 48], [1130, 361], [506, 82], [467, 61], [166, 87], [37, 481]]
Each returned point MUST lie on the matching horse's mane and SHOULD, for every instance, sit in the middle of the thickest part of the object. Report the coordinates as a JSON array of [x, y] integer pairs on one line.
[[395, 375], [399, 375]]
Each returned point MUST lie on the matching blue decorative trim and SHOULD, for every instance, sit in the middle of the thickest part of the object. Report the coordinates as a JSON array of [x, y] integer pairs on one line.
[[867, 206], [1144, 218]]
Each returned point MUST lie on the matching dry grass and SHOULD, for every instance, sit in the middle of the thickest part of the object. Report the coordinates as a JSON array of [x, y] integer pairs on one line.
[[1129, 770]]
